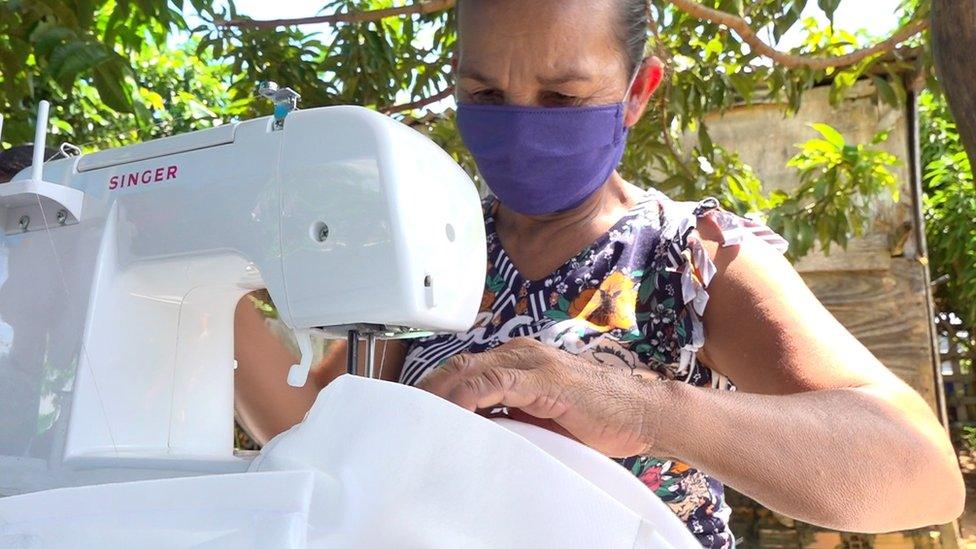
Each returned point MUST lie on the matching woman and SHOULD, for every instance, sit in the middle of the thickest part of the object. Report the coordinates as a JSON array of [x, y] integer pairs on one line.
[[599, 297]]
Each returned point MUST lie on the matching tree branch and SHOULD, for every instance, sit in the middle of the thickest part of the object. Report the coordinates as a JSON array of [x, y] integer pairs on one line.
[[691, 7], [749, 36], [424, 6], [420, 103]]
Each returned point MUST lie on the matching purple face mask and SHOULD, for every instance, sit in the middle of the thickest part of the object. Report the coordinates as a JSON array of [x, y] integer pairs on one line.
[[540, 161]]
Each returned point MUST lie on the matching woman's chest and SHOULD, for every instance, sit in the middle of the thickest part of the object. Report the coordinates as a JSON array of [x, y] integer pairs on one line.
[[614, 306]]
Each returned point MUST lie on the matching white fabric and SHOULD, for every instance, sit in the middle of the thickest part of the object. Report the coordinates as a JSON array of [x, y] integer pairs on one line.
[[614, 480], [374, 464], [239, 510], [421, 472]]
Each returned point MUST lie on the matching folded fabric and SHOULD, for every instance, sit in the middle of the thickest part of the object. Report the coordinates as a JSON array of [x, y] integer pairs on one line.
[[374, 464], [418, 471], [259, 510]]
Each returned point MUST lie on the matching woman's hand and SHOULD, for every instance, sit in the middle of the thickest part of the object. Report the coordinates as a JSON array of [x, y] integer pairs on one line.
[[606, 409]]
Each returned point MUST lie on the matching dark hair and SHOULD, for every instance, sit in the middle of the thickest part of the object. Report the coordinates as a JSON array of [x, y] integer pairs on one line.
[[17, 158], [634, 20]]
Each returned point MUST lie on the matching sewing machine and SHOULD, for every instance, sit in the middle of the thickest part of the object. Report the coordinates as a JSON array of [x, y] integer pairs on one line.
[[119, 275], [120, 271]]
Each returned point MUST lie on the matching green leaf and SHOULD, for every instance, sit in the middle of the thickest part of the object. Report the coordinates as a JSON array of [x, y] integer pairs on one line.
[[69, 59], [744, 85], [885, 91], [705, 140], [154, 99], [830, 134], [786, 22], [829, 7], [110, 83], [46, 37]]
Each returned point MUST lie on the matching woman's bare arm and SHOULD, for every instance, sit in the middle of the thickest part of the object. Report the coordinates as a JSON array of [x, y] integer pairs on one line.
[[819, 430], [266, 405], [832, 436]]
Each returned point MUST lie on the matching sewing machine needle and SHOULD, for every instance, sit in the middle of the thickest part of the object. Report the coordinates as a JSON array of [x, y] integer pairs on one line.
[[352, 352], [370, 354]]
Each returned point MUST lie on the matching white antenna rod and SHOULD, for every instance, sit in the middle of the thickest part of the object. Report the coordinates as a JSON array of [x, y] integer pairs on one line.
[[40, 136], [1, 129]]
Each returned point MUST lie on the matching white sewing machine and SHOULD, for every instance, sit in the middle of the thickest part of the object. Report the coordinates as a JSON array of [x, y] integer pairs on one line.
[[119, 275], [121, 271]]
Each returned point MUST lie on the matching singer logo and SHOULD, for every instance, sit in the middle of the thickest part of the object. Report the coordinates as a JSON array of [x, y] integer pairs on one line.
[[146, 177]]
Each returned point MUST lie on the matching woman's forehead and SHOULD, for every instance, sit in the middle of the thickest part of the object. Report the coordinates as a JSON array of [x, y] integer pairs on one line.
[[553, 39]]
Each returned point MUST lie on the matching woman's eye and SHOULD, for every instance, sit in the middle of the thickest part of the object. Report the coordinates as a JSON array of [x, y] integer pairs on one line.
[[488, 97], [556, 99]]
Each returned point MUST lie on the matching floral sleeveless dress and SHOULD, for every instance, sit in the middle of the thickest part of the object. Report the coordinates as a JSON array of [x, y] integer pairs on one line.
[[633, 299]]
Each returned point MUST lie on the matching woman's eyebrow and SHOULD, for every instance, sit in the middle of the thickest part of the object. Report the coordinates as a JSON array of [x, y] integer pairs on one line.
[[564, 78], [475, 75]]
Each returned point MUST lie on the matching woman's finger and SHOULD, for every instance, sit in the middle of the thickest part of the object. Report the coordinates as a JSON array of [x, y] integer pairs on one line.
[[528, 390], [493, 386], [512, 375], [442, 379], [447, 375]]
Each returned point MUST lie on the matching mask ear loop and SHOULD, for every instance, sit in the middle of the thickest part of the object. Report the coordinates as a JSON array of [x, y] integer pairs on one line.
[[630, 87]]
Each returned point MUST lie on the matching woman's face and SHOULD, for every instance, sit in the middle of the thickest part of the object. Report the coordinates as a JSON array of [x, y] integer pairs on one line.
[[547, 53]]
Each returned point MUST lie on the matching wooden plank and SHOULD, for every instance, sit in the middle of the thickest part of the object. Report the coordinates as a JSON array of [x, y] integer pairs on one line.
[[886, 311], [862, 254]]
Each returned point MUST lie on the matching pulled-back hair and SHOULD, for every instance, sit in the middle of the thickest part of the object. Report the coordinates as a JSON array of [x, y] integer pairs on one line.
[[17, 158], [13, 160], [632, 31]]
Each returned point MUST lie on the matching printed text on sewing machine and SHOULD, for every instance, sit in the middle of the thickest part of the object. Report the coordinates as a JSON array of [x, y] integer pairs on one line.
[[143, 178]]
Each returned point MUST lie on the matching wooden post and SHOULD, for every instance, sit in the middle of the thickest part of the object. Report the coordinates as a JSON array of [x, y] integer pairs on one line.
[[954, 44]]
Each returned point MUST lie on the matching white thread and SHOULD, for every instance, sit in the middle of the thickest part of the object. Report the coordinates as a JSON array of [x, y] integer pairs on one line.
[[84, 348], [383, 358]]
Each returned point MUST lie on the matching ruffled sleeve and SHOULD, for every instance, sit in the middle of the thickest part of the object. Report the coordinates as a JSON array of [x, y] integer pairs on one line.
[[687, 256]]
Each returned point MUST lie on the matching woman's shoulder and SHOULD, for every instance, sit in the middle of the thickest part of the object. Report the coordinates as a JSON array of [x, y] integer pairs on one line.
[[680, 269], [681, 219]]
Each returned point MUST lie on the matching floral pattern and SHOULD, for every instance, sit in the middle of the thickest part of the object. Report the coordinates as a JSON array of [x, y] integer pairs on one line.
[[631, 300]]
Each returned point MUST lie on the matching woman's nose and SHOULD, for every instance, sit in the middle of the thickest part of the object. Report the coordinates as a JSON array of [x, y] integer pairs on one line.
[[522, 98]]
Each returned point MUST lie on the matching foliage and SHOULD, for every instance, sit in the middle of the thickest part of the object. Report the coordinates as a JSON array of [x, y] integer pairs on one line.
[[176, 92], [108, 70], [375, 64], [713, 70], [838, 183], [949, 208], [968, 436], [107, 67], [262, 302]]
